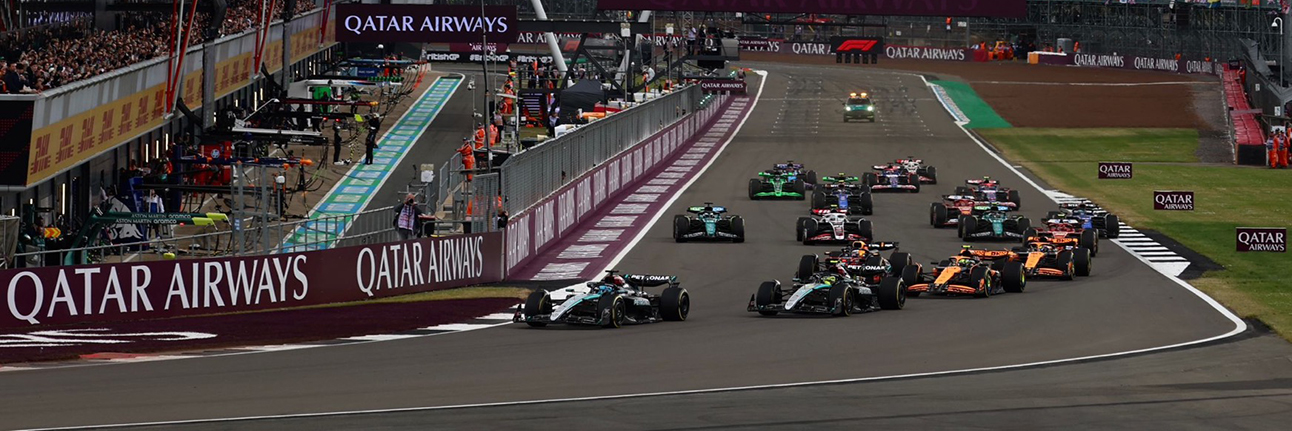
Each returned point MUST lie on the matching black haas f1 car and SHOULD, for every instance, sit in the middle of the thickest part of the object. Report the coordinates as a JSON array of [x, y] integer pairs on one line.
[[708, 223], [993, 224], [1087, 215], [912, 165], [1043, 259], [828, 292], [987, 189], [833, 225], [843, 192], [892, 178], [861, 260], [1063, 232], [611, 302], [965, 274], [948, 212]]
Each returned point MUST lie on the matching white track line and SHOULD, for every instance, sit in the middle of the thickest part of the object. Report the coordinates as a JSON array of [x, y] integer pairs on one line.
[[1093, 84], [1239, 327]]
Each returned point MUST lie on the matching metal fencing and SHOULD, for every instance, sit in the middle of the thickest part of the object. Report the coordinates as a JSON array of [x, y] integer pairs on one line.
[[533, 174]]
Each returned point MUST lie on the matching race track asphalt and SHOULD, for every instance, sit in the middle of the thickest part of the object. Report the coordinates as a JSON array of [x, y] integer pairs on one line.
[[1124, 306]]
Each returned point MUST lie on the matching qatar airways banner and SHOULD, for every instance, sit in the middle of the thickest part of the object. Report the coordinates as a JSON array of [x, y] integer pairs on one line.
[[1140, 63], [424, 23], [542, 225], [780, 46], [175, 288], [941, 8]]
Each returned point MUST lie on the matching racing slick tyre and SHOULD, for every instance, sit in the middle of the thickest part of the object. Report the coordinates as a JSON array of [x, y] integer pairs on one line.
[[841, 297], [738, 229], [538, 303], [818, 200], [891, 293], [767, 295], [866, 229], [755, 187], [809, 229], [866, 202], [1090, 241], [963, 191], [674, 304], [938, 215], [1030, 233], [807, 266], [932, 173], [968, 226], [1112, 226], [981, 279], [1013, 197], [809, 177], [798, 186], [869, 179], [614, 307], [899, 260], [1012, 277], [1082, 262], [1023, 224], [681, 226], [913, 180], [911, 276], [1065, 262], [798, 228]]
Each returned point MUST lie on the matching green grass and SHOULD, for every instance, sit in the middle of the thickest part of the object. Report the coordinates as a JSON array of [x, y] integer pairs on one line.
[[979, 112], [1225, 197]]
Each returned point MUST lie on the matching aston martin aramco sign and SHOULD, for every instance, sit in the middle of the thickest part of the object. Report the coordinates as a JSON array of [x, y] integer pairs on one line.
[[424, 23], [961, 8]]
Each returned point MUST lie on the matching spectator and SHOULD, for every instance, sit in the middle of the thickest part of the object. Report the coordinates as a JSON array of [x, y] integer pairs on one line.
[[409, 218]]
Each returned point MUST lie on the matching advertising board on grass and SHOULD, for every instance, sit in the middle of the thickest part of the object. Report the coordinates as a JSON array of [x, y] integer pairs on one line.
[[1173, 200], [1269, 239], [1116, 170]]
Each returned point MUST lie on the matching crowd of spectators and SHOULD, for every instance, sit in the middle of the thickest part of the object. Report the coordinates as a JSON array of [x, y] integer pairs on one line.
[[39, 58]]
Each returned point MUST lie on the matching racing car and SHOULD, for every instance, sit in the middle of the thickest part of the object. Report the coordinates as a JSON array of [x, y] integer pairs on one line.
[[842, 191], [965, 274], [861, 260], [993, 224], [611, 302], [708, 223], [1043, 259], [828, 292], [833, 225], [1064, 232], [927, 174], [858, 107], [1090, 216], [892, 178], [948, 212], [987, 189], [777, 184]]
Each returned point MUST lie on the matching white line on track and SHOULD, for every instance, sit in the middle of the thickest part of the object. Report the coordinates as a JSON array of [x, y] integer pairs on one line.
[[1239, 327], [1094, 84]]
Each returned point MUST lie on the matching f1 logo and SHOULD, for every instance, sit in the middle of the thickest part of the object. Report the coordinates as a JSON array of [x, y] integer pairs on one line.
[[857, 45]]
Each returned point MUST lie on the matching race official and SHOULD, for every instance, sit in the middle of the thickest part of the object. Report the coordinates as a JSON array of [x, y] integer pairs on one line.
[[1271, 151], [1283, 150]]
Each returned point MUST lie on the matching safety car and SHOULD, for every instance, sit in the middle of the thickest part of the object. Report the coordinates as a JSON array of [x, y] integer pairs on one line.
[[858, 107]]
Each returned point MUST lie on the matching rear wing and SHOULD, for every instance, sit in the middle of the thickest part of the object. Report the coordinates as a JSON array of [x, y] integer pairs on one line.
[[882, 167], [841, 179], [910, 160], [994, 206], [883, 245], [644, 280]]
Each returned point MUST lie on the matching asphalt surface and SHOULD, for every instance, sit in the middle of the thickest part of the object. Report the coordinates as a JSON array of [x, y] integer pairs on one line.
[[1124, 306]]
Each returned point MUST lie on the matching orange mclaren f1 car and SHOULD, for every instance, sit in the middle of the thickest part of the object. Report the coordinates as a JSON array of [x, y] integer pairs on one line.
[[1042, 259], [965, 274]]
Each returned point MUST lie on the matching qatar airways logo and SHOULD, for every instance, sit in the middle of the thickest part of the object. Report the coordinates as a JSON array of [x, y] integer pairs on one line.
[[1173, 200], [924, 53], [1093, 60], [1166, 64], [1115, 171], [810, 48], [1262, 239]]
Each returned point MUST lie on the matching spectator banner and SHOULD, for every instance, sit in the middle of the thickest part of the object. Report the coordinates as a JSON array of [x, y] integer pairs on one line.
[[858, 45], [1172, 200], [148, 290], [15, 127], [940, 8], [424, 23], [1270, 239], [1116, 171], [710, 86]]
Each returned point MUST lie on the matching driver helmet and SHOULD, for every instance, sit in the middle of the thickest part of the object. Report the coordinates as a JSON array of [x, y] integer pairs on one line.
[[829, 280], [859, 245], [615, 280], [910, 165], [964, 261]]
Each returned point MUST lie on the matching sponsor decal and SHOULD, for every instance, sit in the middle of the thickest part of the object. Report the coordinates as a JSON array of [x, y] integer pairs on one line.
[[1099, 60], [863, 45], [1115, 171], [811, 48], [761, 45], [1166, 64], [940, 8], [537, 38], [722, 86], [1173, 200], [475, 47], [424, 23], [924, 53], [1269, 239]]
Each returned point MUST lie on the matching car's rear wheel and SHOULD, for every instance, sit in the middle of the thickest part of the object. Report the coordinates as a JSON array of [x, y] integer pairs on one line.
[[1112, 225], [738, 228], [809, 229], [681, 227], [674, 304], [867, 203], [810, 177], [1030, 233], [899, 260], [891, 293], [819, 200], [767, 295], [798, 186], [869, 179], [911, 276], [755, 187], [538, 303], [938, 215], [1082, 262], [866, 229], [1013, 196], [808, 265], [914, 180], [798, 228], [968, 226], [1012, 277], [932, 173], [1090, 241]]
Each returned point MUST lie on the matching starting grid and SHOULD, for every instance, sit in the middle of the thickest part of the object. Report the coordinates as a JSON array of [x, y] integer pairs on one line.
[[356, 189]]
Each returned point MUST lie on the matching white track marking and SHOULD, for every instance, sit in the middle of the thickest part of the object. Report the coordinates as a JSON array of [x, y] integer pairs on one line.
[[1094, 84]]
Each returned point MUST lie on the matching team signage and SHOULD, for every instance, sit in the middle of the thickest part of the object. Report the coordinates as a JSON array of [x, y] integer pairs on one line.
[[147, 290], [860, 45], [710, 86], [975, 8], [1271, 239], [1116, 171], [1173, 200], [424, 23], [473, 47]]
